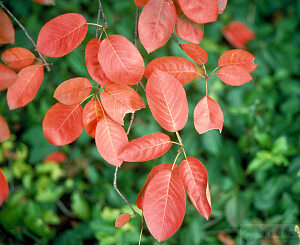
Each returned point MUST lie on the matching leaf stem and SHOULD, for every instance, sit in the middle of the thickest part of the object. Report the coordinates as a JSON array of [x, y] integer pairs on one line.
[[181, 144], [178, 154], [142, 228]]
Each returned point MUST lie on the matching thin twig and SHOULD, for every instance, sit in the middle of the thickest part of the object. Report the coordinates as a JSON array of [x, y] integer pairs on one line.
[[63, 208], [136, 25], [176, 40], [142, 86], [132, 115], [26, 33], [98, 18], [103, 14]]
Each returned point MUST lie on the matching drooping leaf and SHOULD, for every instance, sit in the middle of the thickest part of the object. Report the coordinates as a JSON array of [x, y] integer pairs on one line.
[[23, 90], [120, 60], [4, 130], [146, 148], [180, 68], [197, 53], [7, 31], [73, 91], [140, 3], [92, 63], [17, 58], [234, 75], [122, 220], [7, 78], [208, 115], [118, 100], [164, 204], [238, 57], [194, 177], [62, 34], [45, 2], [3, 188], [167, 101], [63, 123], [92, 113], [222, 6], [57, 156], [156, 24]]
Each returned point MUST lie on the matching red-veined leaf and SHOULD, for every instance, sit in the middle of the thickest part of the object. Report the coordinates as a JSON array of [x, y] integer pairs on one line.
[[118, 99], [120, 60], [92, 113], [3, 188], [238, 57], [63, 123], [140, 3], [197, 53], [238, 34], [208, 115], [62, 34], [17, 58], [122, 220], [7, 31], [164, 204], [23, 90], [7, 78], [200, 11], [180, 68], [56, 156], [222, 6], [234, 75], [73, 91], [92, 63], [194, 177], [156, 24], [45, 2], [167, 101], [146, 148], [4, 129]]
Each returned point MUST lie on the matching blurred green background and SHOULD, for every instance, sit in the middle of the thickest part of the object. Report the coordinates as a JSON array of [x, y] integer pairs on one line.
[[253, 166]]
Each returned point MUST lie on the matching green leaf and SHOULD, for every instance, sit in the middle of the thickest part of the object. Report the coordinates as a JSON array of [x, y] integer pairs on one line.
[[80, 206]]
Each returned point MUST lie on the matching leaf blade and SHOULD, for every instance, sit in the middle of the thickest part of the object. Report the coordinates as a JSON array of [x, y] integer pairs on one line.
[[234, 75], [7, 31], [4, 129], [17, 58], [7, 78], [3, 188], [195, 52]]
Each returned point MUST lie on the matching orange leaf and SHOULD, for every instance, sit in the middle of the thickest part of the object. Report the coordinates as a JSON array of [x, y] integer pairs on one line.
[[57, 156], [3, 188], [197, 53], [140, 3], [7, 78], [17, 58], [45, 2], [7, 31], [234, 75], [4, 130], [122, 220]]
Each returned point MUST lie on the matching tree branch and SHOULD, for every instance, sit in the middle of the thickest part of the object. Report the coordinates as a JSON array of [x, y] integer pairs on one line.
[[103, 15]]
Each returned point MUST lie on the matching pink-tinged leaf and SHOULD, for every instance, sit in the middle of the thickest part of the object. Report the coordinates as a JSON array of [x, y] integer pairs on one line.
[[208, 195], [3, 188], [238, 57], [140, 3], [4, 130], [63, 123], [57, 156], [146, 148], [120, 60], [222, 6], [92, 63], [196, 53], [180, 68], [194, 177], [164, 204], [200, 11], [122, 220], [234, 75], [110, 139], [7, 78], [45, 2], [17, 58], [208, 115], [238, 34], [62, 34], [7, 31], [23, 90], [92, 113], [167, 101], [118, 100], [156, 24], [73, 91]]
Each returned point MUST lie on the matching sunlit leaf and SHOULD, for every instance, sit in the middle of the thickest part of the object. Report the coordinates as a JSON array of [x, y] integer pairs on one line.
[[7, 31], [3, 188], [222, 6], [92, 113], [234, 75], [4, 130], [122, 220], [17, 58], [7, 78], [197, 53]]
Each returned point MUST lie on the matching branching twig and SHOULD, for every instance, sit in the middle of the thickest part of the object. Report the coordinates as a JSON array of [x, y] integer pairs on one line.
[[103, 15], [28, 36]]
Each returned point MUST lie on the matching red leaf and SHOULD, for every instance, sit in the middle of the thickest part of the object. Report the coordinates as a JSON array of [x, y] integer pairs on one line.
[[7, 31], [73, 91], [17, 58], [23, 90], [7, 78], [3, 188], [194, 177], [167, 101], [200, 11], [222, 6], [62, 34], [63, 123], [208, 115], [238, 34], [92, 113], [197, 53], [92, 63], [118, 100], [57, 156], [156, 24], [45, 2], [122, 220], [4, 129], [164, 204], [146, 148], [120, 60], [178, 67], [238, 57], [234, 75], [140, 3]]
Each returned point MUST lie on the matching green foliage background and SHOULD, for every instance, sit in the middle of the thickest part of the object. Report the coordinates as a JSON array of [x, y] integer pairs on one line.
[[253, 166]]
